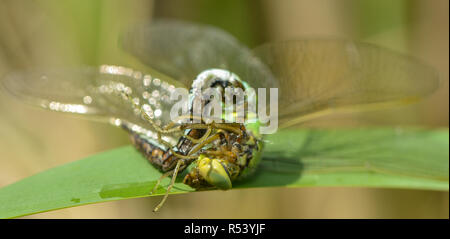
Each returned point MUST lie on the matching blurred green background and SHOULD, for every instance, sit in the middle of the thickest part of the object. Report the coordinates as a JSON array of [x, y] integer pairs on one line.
[[85, 32]]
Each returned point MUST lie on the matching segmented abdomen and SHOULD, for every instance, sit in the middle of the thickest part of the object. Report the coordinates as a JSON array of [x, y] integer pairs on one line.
[[154, 153], [158, 155]]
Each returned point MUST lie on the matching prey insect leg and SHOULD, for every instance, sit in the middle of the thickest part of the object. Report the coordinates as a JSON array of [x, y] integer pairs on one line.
[[172, 182], [199, 146], [165, 175], [227, 127]]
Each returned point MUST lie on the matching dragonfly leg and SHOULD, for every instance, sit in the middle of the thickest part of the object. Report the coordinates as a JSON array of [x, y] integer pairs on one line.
[[165, 175], [210, 139], [172, 182], [196, 141], [161, 141], [197, 147], [193, 140], [172, 125], [223, 153], [182, 156], [204, 137], [235, 128]]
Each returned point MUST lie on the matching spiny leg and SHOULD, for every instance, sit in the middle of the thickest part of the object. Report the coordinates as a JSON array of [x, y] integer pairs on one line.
[[193, 140], [173, 125], [189, 156], [210, 139], [172, 182], [196, 147], [205, 136], [233, 128], [170, 147], [165, 175], [175, 128]]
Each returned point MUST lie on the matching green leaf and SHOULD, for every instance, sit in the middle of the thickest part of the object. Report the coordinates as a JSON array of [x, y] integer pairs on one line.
[[415, 159]]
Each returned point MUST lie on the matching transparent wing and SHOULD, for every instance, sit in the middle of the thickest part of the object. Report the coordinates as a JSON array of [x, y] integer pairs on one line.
[[182, 50], [97, 93], [317, 77], [314, 77]]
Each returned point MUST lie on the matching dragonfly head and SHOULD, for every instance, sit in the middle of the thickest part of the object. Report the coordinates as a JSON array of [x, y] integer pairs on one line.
[[216, 172], [216, 78]]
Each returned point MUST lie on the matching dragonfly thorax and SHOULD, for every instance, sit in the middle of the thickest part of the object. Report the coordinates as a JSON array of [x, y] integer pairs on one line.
[[215, 78]]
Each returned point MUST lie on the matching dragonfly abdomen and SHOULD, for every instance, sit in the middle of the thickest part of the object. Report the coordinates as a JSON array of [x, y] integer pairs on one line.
[[156, 154]]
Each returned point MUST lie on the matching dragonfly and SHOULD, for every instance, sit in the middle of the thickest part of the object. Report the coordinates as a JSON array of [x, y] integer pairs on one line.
[[314, 78]]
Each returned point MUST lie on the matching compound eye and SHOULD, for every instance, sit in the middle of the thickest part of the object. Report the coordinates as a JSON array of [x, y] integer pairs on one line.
[[214, 172]]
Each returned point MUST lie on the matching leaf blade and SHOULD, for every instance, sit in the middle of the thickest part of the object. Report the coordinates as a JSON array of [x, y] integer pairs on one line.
[[123, 173]]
